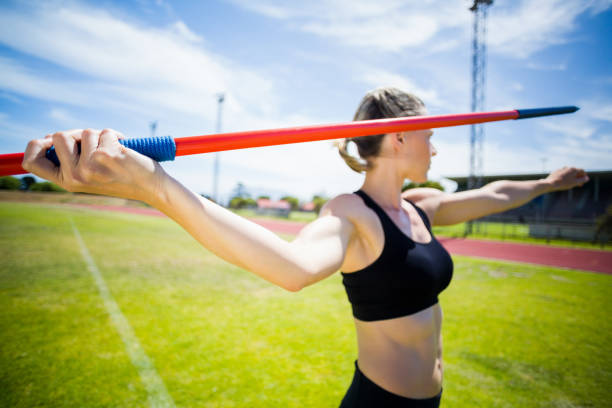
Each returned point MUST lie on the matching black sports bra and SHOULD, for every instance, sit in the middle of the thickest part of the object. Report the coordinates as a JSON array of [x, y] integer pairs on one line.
[[406, 278]]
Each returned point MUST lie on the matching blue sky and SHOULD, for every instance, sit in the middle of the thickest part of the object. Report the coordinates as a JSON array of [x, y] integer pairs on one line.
[[124, 64]]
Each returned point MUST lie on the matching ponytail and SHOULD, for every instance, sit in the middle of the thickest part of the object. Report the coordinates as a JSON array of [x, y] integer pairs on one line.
[[356, 164]]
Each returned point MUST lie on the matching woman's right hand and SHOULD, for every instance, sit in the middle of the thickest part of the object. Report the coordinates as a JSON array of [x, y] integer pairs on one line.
[[103, 166]]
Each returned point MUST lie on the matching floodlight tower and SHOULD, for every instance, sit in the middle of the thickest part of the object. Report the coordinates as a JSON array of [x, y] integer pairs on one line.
[[153, 127], [479, 60], [220, 99]]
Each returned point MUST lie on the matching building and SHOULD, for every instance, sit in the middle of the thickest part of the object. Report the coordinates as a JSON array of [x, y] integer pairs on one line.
[[279, 208]]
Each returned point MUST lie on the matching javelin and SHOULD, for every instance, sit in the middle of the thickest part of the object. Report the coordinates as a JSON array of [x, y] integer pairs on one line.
[[167, 148]]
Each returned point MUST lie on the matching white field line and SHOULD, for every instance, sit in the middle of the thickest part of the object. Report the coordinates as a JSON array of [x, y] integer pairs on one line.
[[157, 394]]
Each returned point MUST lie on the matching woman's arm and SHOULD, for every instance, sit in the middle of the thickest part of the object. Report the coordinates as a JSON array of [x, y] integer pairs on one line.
[[104, 166], [317, 252], [499, 196]]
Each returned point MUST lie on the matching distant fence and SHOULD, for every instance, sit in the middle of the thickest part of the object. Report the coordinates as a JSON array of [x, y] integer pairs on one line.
[[548, 229]]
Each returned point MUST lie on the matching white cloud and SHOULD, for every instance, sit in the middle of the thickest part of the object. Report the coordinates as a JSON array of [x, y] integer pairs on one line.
[[10, 97], [144, 68], [14, 136], [547, 67], [597, 109], [453, 156], [391, 33], [21, 80], [589, 154], [385, 25], [181, 29], [380, 77], [524, 29], [62, 116], [518, 29], [576, 128], [599, 6]]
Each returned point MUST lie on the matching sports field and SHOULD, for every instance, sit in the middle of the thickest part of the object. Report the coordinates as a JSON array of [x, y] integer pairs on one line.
[[120, 310]]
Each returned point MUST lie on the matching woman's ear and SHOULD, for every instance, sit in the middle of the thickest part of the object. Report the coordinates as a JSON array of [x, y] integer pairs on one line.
[[397, 140]]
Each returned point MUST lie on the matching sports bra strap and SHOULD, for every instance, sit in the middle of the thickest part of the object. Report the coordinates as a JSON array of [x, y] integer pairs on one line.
[[423, 215], [384, 216]]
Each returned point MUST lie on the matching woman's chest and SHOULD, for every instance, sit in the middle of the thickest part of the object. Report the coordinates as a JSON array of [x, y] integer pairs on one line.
[[373, 234]]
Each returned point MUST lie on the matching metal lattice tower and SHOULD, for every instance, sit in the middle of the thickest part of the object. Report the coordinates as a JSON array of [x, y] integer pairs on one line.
[[479, 61]]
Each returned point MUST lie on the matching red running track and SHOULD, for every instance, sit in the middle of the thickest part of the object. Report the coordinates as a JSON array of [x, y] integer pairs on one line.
[[572, 258]]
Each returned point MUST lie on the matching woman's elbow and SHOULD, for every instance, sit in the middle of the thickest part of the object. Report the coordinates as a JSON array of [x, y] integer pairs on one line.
[[293, 286], [298, 281], [302, 279]]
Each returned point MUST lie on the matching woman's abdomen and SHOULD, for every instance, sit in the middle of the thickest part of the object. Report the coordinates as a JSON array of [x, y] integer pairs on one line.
[[403, 355]]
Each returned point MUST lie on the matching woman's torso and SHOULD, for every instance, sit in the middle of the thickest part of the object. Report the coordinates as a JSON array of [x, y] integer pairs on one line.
[[402, 354]]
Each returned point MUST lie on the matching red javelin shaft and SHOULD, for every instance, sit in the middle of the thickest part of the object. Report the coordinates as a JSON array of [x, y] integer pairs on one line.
[[11, 163], [258, 138]]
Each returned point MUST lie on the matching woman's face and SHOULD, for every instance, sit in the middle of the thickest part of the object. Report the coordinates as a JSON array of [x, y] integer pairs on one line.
[[418, 152]]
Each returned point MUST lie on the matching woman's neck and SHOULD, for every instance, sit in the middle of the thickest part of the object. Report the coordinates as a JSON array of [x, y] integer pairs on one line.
[[384, 184]]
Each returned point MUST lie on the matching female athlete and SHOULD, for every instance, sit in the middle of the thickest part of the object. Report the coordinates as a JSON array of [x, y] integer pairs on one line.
[[393, 267]]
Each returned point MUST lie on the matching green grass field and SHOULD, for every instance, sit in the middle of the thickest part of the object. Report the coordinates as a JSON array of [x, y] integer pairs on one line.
[[514, 335]]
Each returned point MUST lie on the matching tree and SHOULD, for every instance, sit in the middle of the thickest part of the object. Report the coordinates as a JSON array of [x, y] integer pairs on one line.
[[428, 183], [236, 202], [26, 182], [9, 183], [293, 202], [239, 202], [263, 197], [46, 186], [240, 191], [319, 202]]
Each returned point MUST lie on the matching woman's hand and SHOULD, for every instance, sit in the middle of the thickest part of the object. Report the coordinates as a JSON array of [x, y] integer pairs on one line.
[[104, 166], [566, 178]]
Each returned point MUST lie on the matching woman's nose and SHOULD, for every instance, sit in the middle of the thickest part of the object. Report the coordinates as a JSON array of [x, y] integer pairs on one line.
[[433, 151]]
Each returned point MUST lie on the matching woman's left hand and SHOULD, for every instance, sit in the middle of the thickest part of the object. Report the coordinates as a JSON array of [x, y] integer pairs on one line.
[[566, 178]]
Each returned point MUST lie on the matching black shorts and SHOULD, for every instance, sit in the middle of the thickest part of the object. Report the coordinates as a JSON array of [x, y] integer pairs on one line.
[[363, 393]]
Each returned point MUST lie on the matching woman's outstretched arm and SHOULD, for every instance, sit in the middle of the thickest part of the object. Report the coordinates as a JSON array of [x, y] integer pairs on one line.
[[316, 253], [104, 166], [499, 196]]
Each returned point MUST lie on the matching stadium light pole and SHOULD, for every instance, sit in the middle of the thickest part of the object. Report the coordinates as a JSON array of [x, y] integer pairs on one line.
[[153, 127], [220, 99]]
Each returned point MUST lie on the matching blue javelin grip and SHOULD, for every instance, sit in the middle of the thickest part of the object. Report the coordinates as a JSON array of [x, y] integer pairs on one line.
[[158, 148]]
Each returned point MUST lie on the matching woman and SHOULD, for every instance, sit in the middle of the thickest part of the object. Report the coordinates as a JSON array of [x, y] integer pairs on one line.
[[393, 268]]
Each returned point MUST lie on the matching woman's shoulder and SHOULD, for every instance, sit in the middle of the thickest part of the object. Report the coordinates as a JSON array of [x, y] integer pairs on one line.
[[418, 195], [426, 198], [347, 205]]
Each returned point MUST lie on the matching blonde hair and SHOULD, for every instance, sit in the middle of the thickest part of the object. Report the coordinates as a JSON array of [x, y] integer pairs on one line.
[[380, 103]]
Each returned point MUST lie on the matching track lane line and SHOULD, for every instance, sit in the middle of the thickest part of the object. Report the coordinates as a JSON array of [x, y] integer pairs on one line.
[[158, 395]]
